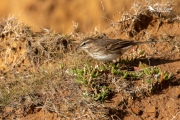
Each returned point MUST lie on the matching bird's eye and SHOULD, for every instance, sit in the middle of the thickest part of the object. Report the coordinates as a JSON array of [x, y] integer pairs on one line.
[[84, 44]]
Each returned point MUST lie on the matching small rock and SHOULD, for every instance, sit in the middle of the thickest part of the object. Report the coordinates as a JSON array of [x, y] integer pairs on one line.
[[136, 110], [151, 109]]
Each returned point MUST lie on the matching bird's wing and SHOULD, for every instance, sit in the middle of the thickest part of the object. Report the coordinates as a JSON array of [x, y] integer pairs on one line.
[[115, 45]]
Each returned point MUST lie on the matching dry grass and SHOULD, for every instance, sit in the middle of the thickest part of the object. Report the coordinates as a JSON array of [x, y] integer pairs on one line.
[[41, 69]]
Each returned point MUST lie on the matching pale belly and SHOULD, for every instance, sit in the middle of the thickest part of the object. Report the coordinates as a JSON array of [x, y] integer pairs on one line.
[[109, 57]]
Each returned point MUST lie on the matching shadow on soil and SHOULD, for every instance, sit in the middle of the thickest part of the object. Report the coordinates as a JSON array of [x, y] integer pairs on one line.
[[159, 61], [152, 61], [159, 86]]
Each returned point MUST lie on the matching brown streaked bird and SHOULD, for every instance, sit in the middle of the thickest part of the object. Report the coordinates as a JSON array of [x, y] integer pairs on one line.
[[107, 49]]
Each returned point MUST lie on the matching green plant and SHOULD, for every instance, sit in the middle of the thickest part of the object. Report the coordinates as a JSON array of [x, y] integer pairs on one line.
[[101, 93], [89, 76]]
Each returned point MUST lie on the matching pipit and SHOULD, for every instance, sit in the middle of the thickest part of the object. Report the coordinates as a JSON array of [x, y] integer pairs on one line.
[[107, 49]]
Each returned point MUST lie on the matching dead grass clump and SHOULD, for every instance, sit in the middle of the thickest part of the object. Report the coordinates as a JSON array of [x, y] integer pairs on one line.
[[21, 48], [47, 47], [142, 15]]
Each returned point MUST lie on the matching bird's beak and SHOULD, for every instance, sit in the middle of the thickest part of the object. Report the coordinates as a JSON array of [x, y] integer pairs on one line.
[[77, 47]]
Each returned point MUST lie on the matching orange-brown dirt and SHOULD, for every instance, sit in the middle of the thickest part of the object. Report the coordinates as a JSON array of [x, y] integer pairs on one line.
[[60, 15], [165, 104]]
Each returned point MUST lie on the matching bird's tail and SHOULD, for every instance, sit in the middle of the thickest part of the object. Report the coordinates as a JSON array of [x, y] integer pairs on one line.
[[146, 42]]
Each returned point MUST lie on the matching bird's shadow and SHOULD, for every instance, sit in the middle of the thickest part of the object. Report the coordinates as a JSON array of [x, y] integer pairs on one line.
[[158, 61], [152, 61]]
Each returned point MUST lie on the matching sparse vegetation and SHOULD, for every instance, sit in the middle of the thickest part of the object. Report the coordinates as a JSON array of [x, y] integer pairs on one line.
[[40, 70]]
